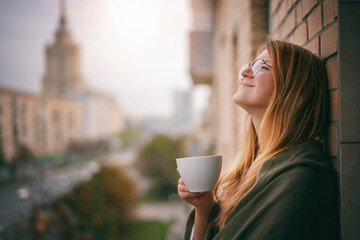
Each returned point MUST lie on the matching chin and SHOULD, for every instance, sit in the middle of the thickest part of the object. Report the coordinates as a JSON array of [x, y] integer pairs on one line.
[[237, 99], [242, 101]]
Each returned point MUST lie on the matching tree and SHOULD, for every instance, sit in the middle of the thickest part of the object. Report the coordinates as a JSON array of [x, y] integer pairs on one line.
[[156, 160], [105, 203], [24, 155], [2, 155], [98, 209], [23, 158]]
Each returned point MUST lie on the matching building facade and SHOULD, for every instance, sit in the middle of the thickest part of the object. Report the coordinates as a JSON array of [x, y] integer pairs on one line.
[[101, 117], [63, 61], [63, 79], [325, 27], [66, 110], [183, 112], [43, 124]]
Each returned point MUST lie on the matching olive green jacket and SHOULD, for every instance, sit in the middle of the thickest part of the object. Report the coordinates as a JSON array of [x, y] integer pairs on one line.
[[295, 197]]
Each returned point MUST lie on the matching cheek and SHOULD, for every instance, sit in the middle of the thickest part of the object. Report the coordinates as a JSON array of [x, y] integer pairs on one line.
[[266, 90]]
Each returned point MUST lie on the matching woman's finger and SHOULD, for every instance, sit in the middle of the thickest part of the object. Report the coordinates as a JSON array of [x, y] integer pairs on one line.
[[182, 184], [181, 181], [189, 195], [183, 188]]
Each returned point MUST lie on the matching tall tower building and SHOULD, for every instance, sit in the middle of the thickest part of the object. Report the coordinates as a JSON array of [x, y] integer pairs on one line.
[[62, 71], [182, 116]]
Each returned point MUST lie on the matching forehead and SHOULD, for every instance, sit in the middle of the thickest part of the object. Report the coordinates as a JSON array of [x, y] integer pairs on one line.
[[264, 55]]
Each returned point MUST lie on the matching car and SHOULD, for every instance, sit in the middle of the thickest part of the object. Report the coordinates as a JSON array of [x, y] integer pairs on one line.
[[23, 193]]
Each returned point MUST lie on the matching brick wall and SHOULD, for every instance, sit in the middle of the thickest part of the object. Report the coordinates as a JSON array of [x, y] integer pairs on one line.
[[313, 25], [241, 27]]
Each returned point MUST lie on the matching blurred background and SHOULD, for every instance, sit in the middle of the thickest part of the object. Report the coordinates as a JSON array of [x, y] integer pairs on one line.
[[98, 99], [96, 102]]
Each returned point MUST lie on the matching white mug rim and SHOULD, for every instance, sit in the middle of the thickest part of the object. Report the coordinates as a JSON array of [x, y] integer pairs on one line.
[[207, 156]]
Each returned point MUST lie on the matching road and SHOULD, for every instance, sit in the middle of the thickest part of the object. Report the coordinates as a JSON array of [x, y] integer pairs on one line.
[[54, 184], [57, 182]]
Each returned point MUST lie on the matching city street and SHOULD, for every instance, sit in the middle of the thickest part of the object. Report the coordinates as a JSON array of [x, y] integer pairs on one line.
[[16, 206], [17, 200]]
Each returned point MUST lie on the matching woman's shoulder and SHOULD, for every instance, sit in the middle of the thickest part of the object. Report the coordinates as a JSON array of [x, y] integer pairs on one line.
[[307, 156], [298, 188]]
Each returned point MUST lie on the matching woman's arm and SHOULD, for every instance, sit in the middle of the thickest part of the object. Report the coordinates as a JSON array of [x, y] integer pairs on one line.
[[203, 203], [201, 223]]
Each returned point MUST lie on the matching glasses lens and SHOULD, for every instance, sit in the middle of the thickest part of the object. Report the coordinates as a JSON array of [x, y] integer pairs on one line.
[[256, 67]]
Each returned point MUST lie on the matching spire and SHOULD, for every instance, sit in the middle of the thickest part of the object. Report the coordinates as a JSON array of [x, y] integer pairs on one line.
[[62, 33], [62, 6]]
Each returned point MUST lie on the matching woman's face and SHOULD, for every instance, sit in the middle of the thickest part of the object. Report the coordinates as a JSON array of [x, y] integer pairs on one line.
[[254, 92]]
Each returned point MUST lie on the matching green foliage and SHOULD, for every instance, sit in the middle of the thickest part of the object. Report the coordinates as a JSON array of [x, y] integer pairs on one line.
[[55, 158], [149, 230], [156, 160], [105, 203], [2, 155], [128, 136], [100, 209]]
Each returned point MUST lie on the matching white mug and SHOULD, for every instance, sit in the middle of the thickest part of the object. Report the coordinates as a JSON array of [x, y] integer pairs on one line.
[[201, 173]]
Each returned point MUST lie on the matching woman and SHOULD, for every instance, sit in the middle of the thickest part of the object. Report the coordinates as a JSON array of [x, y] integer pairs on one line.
[[281, 185]]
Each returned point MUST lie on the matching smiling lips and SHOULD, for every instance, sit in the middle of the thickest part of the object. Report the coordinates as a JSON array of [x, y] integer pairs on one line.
[[246, 84]]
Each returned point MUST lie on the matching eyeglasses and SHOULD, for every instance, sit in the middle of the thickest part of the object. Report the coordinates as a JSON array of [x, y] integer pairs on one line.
[[255, 67]]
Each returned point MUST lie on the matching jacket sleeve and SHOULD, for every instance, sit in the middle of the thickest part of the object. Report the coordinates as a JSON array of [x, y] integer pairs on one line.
[[189, 225], [211, 230]]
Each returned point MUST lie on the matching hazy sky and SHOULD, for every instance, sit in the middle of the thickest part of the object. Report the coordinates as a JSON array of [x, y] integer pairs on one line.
[[134, 49]]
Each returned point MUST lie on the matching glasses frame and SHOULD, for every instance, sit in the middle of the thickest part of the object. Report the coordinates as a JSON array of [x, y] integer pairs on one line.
[[253, 71]]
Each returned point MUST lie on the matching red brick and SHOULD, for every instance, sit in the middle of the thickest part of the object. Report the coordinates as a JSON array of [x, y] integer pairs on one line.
[[313, 46], [282, 11], [290, 38], [329, 11], [300, 34], [332, 73], [298, 11], [334, 106], [276, 34], [274, 5], [314, 21], [275, 22], [289, 24], [289, 4], [329, 41], [307, 5], [332, 141]]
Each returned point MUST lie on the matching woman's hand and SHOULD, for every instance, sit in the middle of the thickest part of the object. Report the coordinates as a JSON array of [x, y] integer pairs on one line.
[[202, 201]]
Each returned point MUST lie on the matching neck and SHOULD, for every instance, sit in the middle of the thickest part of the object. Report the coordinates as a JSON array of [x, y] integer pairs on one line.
[[257, 118]]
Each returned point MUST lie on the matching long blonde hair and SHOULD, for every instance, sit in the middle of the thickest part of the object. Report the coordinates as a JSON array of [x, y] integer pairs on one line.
[[297, 112]]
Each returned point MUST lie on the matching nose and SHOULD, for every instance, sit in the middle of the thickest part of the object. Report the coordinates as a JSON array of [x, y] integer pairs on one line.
[[246, 72]]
